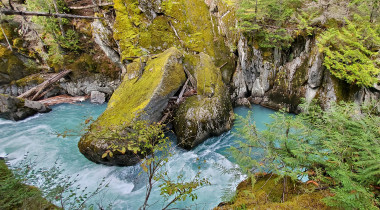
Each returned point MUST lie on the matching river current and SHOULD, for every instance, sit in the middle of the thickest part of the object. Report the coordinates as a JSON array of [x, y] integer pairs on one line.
[[37, 136]]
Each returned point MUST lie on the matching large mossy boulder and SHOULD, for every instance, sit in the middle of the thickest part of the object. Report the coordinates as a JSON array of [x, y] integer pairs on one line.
[[209, 112], [144, 93], [12, 108], [149, 27]]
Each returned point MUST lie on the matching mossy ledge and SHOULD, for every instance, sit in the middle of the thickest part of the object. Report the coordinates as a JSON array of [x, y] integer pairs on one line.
[[208, 113], [266, 193], [147, 93]]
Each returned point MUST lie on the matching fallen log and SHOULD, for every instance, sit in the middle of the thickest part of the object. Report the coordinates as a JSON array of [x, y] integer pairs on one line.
[[36, 92], [63, 99], [46, 14]]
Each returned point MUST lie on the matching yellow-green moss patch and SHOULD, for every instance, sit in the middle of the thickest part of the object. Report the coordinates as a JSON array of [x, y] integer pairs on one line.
[[267, 193]]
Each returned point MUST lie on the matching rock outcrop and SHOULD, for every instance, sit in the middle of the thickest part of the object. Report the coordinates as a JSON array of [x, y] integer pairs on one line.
[[207, 113], [144, 95], [11, 67], [13, 108], [280, 79], [149, 27]]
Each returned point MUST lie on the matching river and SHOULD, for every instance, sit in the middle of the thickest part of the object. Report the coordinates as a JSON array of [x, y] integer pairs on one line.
[[36, 136]]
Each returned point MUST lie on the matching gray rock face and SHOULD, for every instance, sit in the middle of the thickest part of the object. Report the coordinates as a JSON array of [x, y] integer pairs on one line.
[[150, 8], [242, 102], [279, 79], [98, 97], [102, 38], [13, 108]]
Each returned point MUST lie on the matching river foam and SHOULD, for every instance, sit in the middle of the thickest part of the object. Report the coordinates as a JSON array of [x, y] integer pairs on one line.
[[37, 136]]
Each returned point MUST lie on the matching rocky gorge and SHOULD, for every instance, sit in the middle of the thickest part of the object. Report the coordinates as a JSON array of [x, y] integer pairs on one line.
[[158, 46]]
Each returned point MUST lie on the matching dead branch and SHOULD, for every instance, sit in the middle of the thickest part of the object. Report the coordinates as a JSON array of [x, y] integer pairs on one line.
[[36, 92], [91, 6], [6, 38], [192, 79], [223, 65], [175, 32], [59, 19], [46, 14], [182, 91]]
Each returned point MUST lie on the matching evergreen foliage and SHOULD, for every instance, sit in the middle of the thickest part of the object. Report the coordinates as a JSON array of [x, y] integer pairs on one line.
[[352, 52], [338, 149], [270, 21], [54, 33]]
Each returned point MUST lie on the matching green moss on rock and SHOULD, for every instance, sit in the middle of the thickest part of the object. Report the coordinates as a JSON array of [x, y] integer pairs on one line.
[[16, 195], [148, 94], [208, 113], [183, 24], [11, 67], [266, 193]]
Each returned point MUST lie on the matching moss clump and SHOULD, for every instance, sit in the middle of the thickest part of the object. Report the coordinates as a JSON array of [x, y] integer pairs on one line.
[[29, 80], [16, 195], [267, 194], [11, 67], [149, 92]]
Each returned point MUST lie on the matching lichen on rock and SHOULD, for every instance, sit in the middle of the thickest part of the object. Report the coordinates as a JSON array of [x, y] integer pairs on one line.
[[145, 27], [147, 94], [208, 113]]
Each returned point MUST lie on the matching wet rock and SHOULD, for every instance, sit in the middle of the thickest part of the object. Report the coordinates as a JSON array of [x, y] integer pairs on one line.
[[98, 97], [13, 108], [208, 113], [145, 97], [242, 102]]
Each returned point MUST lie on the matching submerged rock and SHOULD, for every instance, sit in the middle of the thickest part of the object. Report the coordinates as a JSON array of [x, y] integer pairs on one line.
[[208, 113], [12, 108], [145, 96]]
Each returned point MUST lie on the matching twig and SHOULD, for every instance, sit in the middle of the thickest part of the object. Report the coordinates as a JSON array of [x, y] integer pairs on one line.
[[59, 19], [175, 32], [6, 38], [223, 65]]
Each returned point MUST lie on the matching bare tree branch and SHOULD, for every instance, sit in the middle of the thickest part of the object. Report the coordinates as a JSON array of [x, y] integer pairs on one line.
[[91, 6], [46, 14]]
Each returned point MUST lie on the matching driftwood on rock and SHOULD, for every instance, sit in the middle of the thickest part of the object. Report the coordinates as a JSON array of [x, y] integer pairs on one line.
[[192, 79], [183, 90], [46, 14], [63, 99], [38, 91]]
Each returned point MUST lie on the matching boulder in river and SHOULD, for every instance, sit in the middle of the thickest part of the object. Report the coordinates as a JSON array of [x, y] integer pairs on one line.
[[12, 108], [208, 113], [98, 97], [158, 78]]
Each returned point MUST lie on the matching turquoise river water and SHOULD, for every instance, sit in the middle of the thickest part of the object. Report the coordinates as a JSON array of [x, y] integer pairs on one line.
[[37, 137]]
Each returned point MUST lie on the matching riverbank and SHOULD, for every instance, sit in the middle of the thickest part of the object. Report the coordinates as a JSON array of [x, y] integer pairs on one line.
[[16, 195]]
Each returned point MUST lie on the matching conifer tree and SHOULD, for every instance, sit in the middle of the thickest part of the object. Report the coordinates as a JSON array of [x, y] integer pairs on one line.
[[338, 149]]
